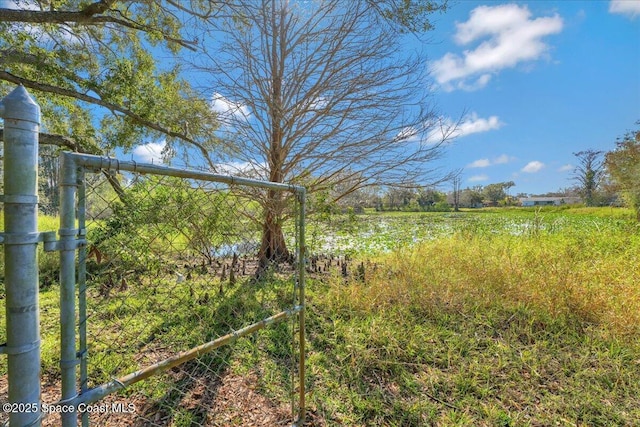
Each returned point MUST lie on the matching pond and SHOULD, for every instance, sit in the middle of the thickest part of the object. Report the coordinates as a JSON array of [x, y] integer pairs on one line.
[[381, 233]]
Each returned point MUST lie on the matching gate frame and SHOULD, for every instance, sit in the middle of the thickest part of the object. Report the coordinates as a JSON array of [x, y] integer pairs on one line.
[[72, 166]]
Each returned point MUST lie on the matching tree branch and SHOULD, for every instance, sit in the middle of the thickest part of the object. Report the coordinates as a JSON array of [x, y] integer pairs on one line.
[[66, 142], [84, 16], [90, 15], [43, 87], [57, 140]]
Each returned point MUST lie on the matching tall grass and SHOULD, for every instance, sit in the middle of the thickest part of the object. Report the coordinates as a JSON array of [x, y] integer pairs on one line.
[[501, 318], [486, 328], [593, 279]]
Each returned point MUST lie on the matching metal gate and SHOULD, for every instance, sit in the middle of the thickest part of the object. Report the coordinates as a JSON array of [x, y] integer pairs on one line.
[[158, 281]]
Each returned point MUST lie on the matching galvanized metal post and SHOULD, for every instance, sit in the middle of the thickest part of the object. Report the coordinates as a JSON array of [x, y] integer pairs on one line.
[[21, 126], [68, 239], [301, 315], [82, 289]]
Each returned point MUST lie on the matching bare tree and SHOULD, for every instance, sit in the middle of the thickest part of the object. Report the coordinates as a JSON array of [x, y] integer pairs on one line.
[[456, 181], [588, 174], [320, 93]]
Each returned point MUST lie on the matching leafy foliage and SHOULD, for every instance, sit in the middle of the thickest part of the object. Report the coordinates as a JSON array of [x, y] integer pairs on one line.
[[410, 15], [623, 166], [497, 192], [165, 212], [589, 174], [95, 70]]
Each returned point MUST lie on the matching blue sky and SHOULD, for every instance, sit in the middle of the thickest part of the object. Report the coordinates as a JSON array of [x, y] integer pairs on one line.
[[538, 80], [533, 82]]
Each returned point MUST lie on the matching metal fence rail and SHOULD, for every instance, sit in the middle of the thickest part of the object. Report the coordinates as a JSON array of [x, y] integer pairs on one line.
[[158, 281]]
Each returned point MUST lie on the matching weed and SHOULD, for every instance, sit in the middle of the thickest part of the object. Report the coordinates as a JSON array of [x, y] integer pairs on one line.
[[497, 318], [488, 325]]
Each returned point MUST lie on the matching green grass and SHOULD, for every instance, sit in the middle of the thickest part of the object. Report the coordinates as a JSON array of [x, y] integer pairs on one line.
[[485, 326], [369, 235], [494, 317], [155, 317]]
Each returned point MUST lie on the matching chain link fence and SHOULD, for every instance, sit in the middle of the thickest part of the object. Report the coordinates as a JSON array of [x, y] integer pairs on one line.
[[168, 286]]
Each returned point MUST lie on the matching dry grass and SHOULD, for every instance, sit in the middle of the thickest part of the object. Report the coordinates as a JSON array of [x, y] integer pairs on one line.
[[557, 276], [484, 328]]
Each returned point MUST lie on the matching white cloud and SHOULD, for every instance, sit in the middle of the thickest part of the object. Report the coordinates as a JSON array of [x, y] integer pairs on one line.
[[151, 152], [239, 168], [474, 124], [630, 8], [483, 163], [478, 178], [227, 108], [470, 125], [502, 159], [480, 163], [533, 167], [565, 168], [508, 35], [318, 104], [410, 134]]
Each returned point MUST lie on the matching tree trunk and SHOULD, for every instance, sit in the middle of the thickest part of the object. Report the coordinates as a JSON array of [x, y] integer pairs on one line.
[[273, 247]]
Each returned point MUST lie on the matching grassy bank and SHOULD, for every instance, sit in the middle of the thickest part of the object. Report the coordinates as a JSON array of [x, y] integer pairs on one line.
[[486, 318], [486, 327]]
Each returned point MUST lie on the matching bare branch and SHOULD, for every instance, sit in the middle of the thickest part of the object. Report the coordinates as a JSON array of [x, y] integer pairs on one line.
[[326, 98]]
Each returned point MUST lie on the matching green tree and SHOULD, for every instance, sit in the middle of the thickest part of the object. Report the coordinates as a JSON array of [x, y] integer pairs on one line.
[[398, 198], [319, 92], [497, 192], [192, 220], [106, 73], [623, 167], [409, 15], [471, 197], [429, 197], [588, 174]]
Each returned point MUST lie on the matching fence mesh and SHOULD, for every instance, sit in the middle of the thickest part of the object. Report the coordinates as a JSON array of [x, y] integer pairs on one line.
[[170, 264]]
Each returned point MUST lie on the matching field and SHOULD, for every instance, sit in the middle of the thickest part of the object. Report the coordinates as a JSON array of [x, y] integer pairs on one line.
[[486, 318], [496, 318]]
